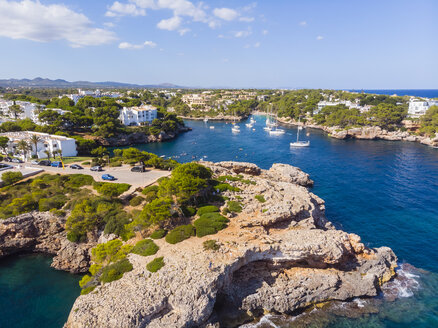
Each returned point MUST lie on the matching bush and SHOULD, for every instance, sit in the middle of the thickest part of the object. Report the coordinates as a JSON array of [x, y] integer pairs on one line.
[[209, 224], [79, 180], [115, 164], [260, 198], [234, 206], [10, 178], [55, 202], [188, 211], [180, 233], [156, 212], [85, 280], [210, 245], [111, 251], [158, 234], [137, 200], [87, 290], [156, 264], [145, 247], [151, 193], [111, 189], [207, 209], [115, 271], [221, 187]]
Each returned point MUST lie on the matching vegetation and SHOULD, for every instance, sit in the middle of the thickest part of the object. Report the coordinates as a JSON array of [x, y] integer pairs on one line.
[[234, 206], [180, 233], [10, 178], [209, 224], [115, 271], [429, 122], [156, 264], [158, 234], [111, 189], [145, 247], [211, 245], [137, 200], [207, 209], [260, 198]]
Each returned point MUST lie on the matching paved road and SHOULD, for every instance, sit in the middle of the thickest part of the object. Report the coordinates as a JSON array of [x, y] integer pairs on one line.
[[123, 174]]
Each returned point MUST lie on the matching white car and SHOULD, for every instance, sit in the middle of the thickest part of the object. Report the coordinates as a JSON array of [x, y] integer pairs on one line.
[[34, 162]]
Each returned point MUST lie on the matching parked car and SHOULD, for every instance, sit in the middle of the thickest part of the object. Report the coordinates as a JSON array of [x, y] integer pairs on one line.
[[34, 162], [7, 159], [97, 168], [56, 164], [76, 167], [16, 160], [139, 168], [108, 177], [45, 162]]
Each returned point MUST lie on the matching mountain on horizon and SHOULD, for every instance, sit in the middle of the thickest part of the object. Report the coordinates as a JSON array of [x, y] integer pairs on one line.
[[40, 82]]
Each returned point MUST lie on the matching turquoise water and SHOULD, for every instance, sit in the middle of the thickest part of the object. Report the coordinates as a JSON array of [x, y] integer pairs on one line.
[[387, 192], [34, 295]]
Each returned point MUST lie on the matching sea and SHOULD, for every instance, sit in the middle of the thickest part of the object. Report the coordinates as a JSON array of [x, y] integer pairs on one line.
[[384, 191], [423, 93]]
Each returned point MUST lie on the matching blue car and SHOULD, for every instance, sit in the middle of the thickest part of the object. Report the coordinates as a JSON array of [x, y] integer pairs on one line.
[[108, 177], [56, 164]]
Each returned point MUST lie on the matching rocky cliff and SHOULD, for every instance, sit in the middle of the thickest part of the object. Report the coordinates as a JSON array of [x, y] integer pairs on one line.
[[280, 254], [44, 233]]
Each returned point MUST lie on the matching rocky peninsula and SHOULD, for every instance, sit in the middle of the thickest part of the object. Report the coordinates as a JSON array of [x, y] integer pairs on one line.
[[365, 133], [280, 254]]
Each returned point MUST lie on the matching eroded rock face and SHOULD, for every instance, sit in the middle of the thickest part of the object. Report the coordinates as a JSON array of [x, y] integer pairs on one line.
[[278, 255], [43, 232]]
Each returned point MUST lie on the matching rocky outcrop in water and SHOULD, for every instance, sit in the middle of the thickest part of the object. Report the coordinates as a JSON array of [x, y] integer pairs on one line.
[[44, 233], [279, 254]]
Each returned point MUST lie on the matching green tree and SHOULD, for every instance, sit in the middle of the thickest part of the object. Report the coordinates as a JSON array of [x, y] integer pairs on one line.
[[24, 147], [15, 110], [11, 177], [4, 143]]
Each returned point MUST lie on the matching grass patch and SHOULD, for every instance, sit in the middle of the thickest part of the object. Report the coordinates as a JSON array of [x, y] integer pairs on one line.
[[207, 209], [222, 187], [70, 160], [211, 245], [234, 206], [260, 198], [156, 264], [158, 234], [145, 247], [209, 224], [180, 233]]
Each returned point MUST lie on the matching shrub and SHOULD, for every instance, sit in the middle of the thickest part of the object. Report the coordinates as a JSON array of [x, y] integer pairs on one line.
[[156, 264], [260, 198], [209, 224], [188, 211], [158, 234], [111, 189], [79, 180], [210, 245], [111, 251], [180, 233], [221, 187], [86, 163], [207, 209], [137, 200], [151, 193], [55, 202], [156, 212], [115, 164], [234, 206], [10, 178], [145, 247], [87, 290], [115, 271], [85, 280]]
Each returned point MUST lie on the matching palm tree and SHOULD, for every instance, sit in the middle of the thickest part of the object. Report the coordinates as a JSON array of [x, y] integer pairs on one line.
[[24, 147], [48, 153], [35, 139]]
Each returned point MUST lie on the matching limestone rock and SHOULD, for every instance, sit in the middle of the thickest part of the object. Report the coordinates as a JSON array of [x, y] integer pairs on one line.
[[288, 173]]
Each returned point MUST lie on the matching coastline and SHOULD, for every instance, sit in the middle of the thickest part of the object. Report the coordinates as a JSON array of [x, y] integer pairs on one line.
[[364, 133], [226, 118]]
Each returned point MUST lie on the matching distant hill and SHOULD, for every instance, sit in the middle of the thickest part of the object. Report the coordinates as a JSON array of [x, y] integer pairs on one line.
[[47, 83]]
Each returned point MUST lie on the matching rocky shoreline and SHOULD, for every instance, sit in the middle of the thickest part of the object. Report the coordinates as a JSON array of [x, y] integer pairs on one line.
[[220, 117], [365, 133], [278, 255]]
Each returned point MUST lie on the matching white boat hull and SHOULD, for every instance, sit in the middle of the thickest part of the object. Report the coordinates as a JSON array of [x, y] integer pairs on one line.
[[300, 144], [276, 132]]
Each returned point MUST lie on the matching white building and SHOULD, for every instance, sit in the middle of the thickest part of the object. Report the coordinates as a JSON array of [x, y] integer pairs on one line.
[[30, 110], [95, 94], [418, 107], [47, 142], [138, 115], [348, 103]]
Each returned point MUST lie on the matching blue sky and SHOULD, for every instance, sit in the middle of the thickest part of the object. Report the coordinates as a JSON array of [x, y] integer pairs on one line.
[[272, 44]]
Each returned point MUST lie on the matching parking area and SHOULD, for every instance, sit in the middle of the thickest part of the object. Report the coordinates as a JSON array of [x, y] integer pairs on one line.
[[122, 174]]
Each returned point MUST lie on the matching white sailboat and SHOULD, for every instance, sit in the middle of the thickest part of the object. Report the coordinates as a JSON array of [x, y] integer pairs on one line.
[[299, 143], [205, 120], [235, 128]]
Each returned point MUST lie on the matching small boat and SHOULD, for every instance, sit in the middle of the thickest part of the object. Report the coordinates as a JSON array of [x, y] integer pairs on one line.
[[253, 129], [299, 143], [267, 128], [205, 120], [277, 132], [300, 128], [162, 156], [249, 125], [235, 129], [252, 120], [211, 127]]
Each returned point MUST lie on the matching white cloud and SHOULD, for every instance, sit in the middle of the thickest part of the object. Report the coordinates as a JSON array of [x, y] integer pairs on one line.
[[242, 34], [227, 14], [31, 20], [265, 32], [183, 31], [319, 37], [170, 24], [303, 23], [124, 9], [130, 46], [109, 24], [246, 19], [257, 44]]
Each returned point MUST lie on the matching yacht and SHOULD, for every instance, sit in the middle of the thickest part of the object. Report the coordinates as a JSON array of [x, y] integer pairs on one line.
[[235, 129], [205, 120], [249, 125], [276, 132], [211, 127]]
